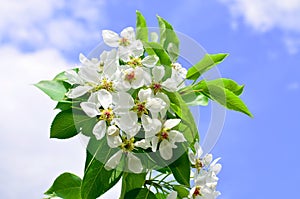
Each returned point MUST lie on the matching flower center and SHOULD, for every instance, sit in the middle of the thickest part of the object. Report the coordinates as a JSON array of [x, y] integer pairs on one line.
[[156, 87], [197, 192], [107, 115], [130, 76], [198, 164], [163, 134], [140, 108], [134, 62], [107, 85], [127, 144], [124, 42]]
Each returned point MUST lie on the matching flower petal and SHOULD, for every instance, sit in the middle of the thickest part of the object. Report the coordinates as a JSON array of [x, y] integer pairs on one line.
[[124, 100], [170, 85], [113, 160], [158, 73], [134, 163], [151, 126], [73, 77], [136, 49], [176, 136], [78, 91], [89, 74], [150, 61], [110, 38], [192, 157], [165, 150], [144, 94], [113, 141], [99, 129], [128, 33], [113, 130], [142, 144], [154, 143], [105, 98], [90, 109], [170, 123], [139, 78], [198, 149], [155, 105]]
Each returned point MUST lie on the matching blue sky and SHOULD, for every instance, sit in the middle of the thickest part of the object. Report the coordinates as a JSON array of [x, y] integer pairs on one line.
[[259, 156]]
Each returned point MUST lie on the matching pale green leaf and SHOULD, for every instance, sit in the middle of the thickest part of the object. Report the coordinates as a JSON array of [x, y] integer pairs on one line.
[[205, 64], [66, 186]]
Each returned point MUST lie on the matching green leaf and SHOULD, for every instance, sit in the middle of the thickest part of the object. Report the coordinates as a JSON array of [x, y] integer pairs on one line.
[[56, 90], [97, 180], [69, 123], [223, 96], [160, 196], [228, 84], [181, 168], [181, 191], [179, 106], [168, 38], [141, 27], [153, 48], [84, 123], [132, 181], [64, 105], [140, 193], [66, 186], [194, 98], [62, 76], [205, 64], [63, 126]]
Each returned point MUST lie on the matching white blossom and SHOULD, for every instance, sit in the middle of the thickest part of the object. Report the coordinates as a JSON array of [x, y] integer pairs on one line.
[[100, 105], [126, 42], [162, 135], [205, 178]]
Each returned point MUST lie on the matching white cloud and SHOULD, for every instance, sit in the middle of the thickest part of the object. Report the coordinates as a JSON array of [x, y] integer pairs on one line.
[[30, 161], [59, 24], [266, 15]]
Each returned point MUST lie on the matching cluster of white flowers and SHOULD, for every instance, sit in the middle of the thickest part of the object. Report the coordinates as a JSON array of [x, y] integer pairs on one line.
[[125, 92], [205, 175]]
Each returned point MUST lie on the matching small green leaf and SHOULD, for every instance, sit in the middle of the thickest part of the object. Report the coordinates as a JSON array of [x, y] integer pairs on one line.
[[63, 105], [181, 109], [205, 64], [84, 123], [153, 48], [141, 27], [140, 193], [66, 186], [132, 181], [181, 168], [97, 180], [181, 191], [56, 90], [194, 98], [160, 196], [63, 126], [223, 96], [228, 84], [62, 76], [168, 38], [69, 123]]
